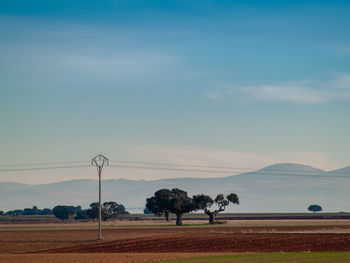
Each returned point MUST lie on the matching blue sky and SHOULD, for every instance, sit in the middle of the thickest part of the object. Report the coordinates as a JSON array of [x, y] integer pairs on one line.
[[239, 83]]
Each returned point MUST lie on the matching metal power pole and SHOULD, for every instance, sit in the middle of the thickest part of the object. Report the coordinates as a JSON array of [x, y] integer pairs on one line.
[[99, 161]]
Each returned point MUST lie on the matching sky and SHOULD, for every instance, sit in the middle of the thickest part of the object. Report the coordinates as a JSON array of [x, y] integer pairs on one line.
[[230, 83]]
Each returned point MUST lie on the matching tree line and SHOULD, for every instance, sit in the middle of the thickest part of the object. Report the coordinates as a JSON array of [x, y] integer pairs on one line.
[[162, 203], [177, 201], [109, 210], [28, 211]]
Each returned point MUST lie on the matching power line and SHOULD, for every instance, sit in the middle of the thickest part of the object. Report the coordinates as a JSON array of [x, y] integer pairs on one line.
[[206, 166], [172, 169], [183, 165], [37, 164], [223, 172], [168, 169], [43, 168], [230, 168], [164, 168]]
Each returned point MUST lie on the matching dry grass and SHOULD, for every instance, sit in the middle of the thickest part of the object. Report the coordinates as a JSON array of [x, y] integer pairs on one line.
[[162, 223], [290, 222], [93, 224]]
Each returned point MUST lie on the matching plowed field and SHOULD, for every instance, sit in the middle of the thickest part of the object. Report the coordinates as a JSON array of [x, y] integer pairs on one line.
[[274, 236], [220, 243]]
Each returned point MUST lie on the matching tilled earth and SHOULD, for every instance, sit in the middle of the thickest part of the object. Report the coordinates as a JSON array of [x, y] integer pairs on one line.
[[290, 238], [220, 239], [234, 242]]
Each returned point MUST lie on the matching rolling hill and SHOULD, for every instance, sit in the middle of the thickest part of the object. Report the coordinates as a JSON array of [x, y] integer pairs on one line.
[[278, 188]]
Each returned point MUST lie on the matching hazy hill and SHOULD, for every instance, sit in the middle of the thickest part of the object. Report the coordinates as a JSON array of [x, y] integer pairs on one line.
[[278, 188], [340, 172]]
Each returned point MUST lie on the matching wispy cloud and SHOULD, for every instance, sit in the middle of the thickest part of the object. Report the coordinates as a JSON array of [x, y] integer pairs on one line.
[[284, 93], [303, 92], [117, 66], [66, 52]]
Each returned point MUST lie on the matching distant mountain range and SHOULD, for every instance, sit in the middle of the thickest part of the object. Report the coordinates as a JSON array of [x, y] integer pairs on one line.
[[282, 187]]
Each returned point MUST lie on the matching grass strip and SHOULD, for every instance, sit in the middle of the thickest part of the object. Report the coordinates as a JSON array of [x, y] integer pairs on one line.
[[298, 257]]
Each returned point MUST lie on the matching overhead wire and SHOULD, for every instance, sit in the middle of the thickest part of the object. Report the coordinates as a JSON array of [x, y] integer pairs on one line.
[[177, 164], [154, 163], [37, 164], [43, 168], [207, 166], [171, 167], [227, 172]]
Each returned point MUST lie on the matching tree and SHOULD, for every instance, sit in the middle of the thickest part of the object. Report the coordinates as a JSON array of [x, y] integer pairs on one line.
[[81, 215], [31, 211], [1, 213], [159, 203], [76, 209], [16, 212], [63, 212], [92, 212], [109, 209], [112, 209], [174, 201], [180, 204], [204, 202], [315, 208], [46, 211], [28, 211]]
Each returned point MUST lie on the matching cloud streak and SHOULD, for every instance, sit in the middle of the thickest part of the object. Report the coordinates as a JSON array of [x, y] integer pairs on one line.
[[46, 52], [306, 92]]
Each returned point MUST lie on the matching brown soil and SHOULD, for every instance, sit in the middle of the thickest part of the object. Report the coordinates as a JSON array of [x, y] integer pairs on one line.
[[220, 243], [272, 238]]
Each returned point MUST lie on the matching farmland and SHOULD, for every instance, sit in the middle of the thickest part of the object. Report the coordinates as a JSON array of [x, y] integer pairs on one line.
[[148, 240]]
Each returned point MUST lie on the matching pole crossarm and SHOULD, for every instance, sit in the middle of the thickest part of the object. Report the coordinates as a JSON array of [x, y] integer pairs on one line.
[[99, 161]]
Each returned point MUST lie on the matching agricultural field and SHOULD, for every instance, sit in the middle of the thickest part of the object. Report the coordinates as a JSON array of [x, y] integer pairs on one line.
[[151, 241]]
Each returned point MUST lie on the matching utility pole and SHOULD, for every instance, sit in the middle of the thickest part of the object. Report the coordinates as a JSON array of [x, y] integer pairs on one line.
[[99, 161]]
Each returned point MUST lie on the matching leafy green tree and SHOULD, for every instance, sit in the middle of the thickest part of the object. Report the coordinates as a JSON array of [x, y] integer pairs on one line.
[[16, 212], [175, 201], [180, 204], [76, 208], [81, 215], [63, 212], [315, 208], [92, 212], [109, 209], [36, 210], [159, 203], [112, 209], [31, 211], [204, 202], [28, 211], [46, 211]]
